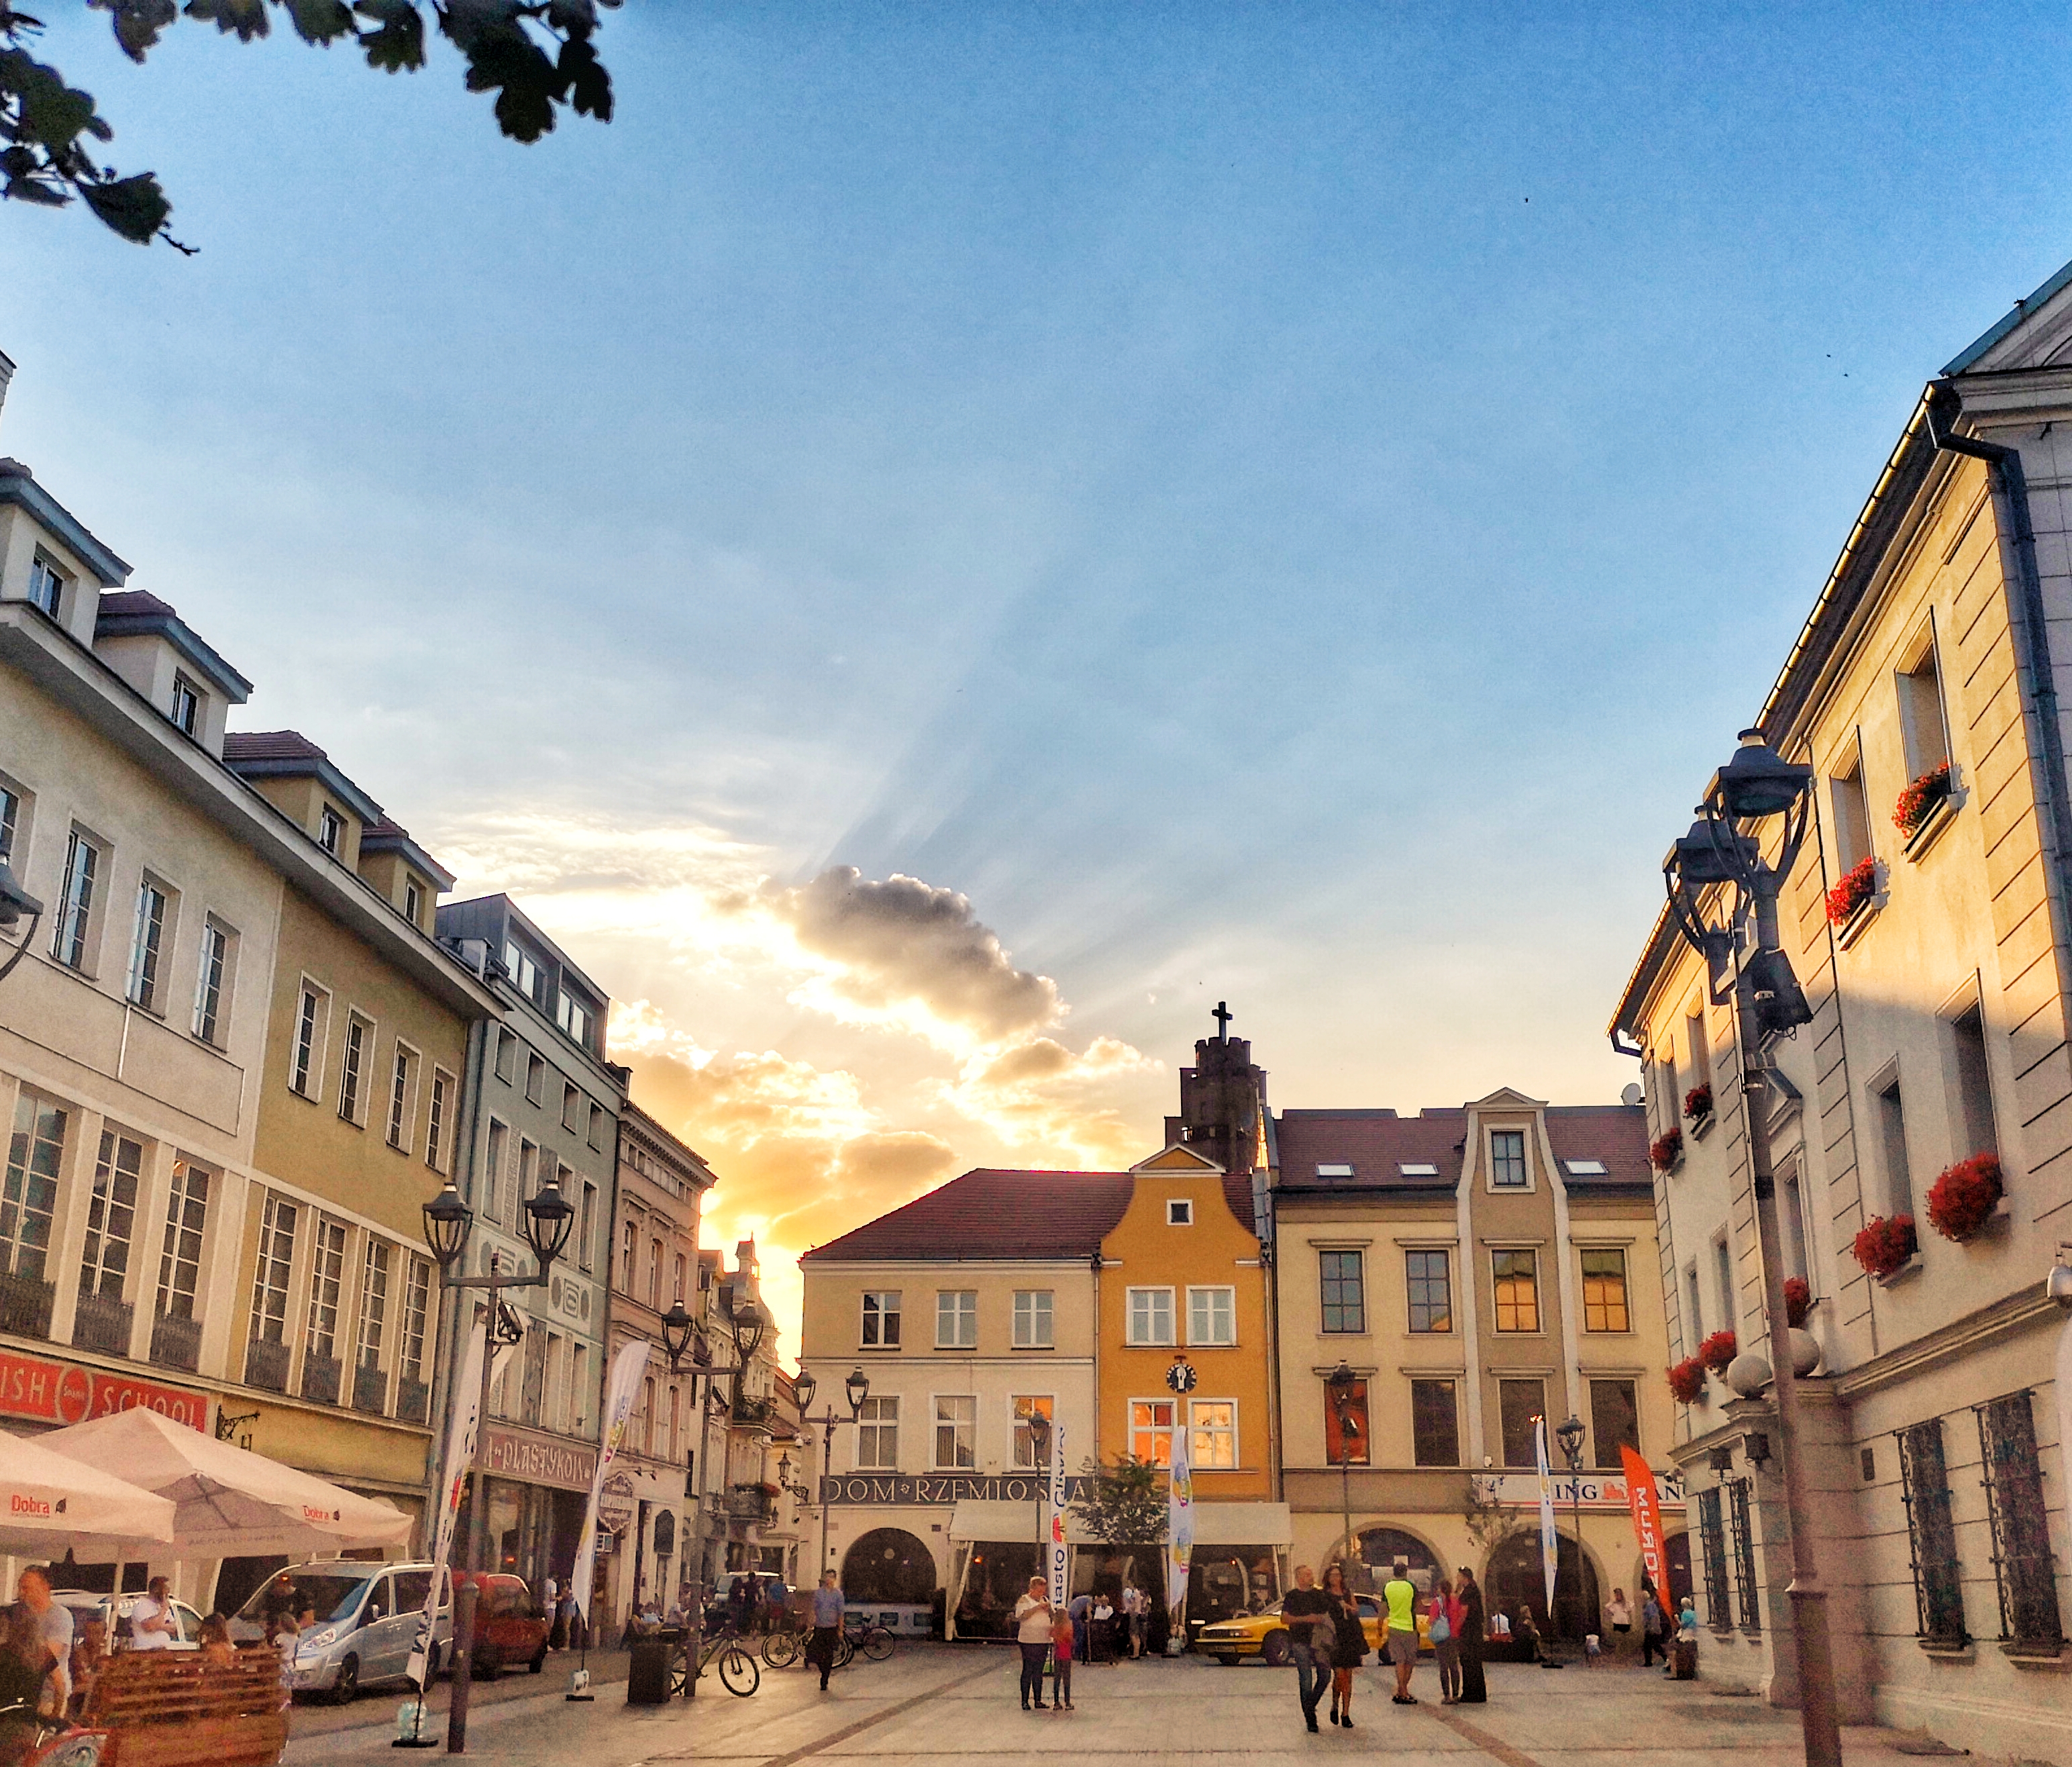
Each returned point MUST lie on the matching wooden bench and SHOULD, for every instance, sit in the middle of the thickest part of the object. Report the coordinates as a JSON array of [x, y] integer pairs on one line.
[[175, 1708]]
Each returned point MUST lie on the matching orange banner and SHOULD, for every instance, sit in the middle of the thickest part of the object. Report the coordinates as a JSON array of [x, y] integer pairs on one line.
[[1646, 1516]]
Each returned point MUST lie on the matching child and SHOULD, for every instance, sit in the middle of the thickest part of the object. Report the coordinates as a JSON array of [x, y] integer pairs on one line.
[[1061, 1654]]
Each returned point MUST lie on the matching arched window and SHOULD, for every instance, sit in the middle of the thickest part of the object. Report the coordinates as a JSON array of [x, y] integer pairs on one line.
[[888, 1564]]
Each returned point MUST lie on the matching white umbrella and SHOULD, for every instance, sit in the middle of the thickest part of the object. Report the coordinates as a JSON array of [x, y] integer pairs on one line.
[[49, 1503], [229, 1502]]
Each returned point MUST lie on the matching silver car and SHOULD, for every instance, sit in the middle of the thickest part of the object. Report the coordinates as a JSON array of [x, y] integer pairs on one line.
[[359, 1622], [84, 1605]]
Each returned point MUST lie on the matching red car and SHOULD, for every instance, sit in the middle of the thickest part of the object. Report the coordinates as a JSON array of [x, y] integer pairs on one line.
[[509, 1628]]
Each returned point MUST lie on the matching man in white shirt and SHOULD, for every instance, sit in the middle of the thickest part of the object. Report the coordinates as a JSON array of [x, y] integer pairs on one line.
[[151, 1623]]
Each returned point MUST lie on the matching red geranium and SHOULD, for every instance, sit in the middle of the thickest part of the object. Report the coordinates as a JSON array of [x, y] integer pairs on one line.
[[1663, 1151], [1858, 885], [1919, 798], [1962, 1201], [1698, 1102], [1686, 1381], [1798, 1300], [1717, 1351], [1884, 1245]]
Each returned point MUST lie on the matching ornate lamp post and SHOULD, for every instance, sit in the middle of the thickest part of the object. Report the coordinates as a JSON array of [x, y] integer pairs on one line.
[[858, 1387], [1570, 1435], [1039, 1451], [1745, 963], [448, 1224], [1340, 1383]]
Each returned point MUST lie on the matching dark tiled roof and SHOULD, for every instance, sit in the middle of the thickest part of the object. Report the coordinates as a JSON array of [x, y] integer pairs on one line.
[[1377, 1143], [270, 745], [1615, 1134], [134, 604], [994, 1214]]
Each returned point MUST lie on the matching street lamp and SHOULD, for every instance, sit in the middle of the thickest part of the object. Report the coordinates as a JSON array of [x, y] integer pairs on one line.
[[1340, 1383], [1570, 1435], [1746, 963], [1039, 1453], [857, 1386], [448, 1224]]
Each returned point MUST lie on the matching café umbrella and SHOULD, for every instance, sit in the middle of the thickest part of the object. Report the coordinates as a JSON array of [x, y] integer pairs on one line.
[[51, 1504], [229, 1502]]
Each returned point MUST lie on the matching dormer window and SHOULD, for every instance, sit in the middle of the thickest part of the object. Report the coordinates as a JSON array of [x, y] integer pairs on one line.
[[186, 713], [331, 831], [1584, 1169], [47, 586], [524, 972], [1410, 1170], [413, 903], [573, 1017], [1340, 1171]]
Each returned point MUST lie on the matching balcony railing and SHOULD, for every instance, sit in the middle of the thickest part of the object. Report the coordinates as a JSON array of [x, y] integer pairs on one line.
[[266, 1365], [320, 1378], [370, 1389], [25, 1306], [413, 1400], [176, 1343], [99, 1322], [751, 1503], [758, 1413]]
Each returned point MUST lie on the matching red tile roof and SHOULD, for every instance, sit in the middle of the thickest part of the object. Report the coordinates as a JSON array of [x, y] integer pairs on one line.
[[990, 1214], [133, 605], [270, 745]]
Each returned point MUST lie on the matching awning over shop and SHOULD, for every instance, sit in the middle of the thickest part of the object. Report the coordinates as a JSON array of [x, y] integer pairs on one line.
[[1243, 1524], [1010, 1522]]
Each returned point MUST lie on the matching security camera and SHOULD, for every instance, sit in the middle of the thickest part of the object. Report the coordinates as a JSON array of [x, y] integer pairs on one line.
[[15, 900]]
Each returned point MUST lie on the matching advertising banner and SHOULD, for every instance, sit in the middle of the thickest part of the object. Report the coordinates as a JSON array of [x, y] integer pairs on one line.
[[1646, 1518], [1550, 1542], [620, 1391], [1179, 1528], [459, 1459], [1054, 1520]]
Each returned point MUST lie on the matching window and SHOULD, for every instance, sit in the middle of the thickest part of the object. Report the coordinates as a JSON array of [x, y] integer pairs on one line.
[[878, 1434], [47, 586], [571, 1106], [1339, 1275], [330, 830], [142, 987], [536, 1078], [1520, 1404], [1791, 1219], [1150, 1315], [400, 1105], [374, 1304], [186, 712], [574, 1018], [1431, 1299], [1507, 1158], [352, 1069], [1722, 1262], [1614, 1421], [435, 1133], [75, 917], [586, 1229], [494, 1155], [1890, 1117], [957, 1432], [646, 1427], [1027, 1406], [275, 1269], [2022, 1568], [1852, 816], [881, 1319], [1213, 1426], [1033, 1314], [1151, 1430], [1413, 1169], [416, 1312], [676, 1416], [527, 1185], [629, 1250], [1713, 1541], [655, 1274], [414, 903], [533, 1382], [522, 970], [1435, 1426], [179, 1256], [597, 1120], [579, 1387], [1346, 1432], [1179, 1212], [1694, 1322], [1212, 1316], [1585, 1168], [1517, 1274], [1700, 1047], [1604, 1290], [211, 982], [1927, 738], [10, 822], [1974, 1084], [305, 1074], [326, 1289], [1740, 1529], [506, 1055], [682, 1271], [111, 1216], [956, 1320], [1334, 1169]]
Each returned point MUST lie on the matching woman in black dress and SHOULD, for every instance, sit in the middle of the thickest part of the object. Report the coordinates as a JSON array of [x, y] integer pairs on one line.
[[1475, 1687], [1350, 1646]]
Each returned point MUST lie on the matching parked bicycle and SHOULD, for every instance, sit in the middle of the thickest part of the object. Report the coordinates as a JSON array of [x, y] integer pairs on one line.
[[738, 1672], [781, 1649]]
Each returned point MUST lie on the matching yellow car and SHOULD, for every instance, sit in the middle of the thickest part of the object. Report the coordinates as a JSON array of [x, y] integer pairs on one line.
[[1265, 1635]]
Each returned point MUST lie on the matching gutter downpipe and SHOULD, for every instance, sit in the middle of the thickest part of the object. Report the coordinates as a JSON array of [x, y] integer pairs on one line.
[[2010, 489]]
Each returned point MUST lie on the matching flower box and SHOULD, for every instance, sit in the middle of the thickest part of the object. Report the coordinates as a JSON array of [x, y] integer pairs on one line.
[[1698, 1105], [1686, 1381], [1858, 886], [1885, 1247], [1798, 1301], [1666, 1151], [1963, 1199], [1718, 1350], [1920, 801]]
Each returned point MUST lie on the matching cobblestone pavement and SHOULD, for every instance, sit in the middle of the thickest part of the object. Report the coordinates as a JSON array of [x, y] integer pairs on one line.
[[953, 1705]]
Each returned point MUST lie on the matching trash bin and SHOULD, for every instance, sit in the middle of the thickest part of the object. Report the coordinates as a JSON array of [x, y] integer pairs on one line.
[[1685, 1660], [648, 1673]]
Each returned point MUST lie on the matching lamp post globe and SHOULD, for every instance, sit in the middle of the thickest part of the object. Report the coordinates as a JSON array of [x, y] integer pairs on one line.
[[549, 1216], [1570, 1436], [858, 1385], [677, 1326], [748, 1320], [803, 1387], [448, 1222], [1757, 782]]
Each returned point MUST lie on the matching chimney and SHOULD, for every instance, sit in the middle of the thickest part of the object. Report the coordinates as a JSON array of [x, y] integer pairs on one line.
[[7, 374]]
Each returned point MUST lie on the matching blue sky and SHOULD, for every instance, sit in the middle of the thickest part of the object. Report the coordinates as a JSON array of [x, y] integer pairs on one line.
[[1282, 503]]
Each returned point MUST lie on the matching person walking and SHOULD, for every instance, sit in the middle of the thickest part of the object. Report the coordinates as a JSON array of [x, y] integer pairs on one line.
[[1034, 1618], [1444, 1616], [1653, 1626], [1400, 1642], [1474, 1685], [1304, 1611], [1620, 1614], [1062, 1641], [829, 1604], [1348, 1643]]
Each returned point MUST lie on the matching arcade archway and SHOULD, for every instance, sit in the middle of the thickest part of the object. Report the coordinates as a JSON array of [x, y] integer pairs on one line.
[[889, 1565]]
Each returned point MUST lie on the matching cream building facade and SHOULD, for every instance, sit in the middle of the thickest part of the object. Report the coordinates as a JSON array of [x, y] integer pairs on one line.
[[1934, 662]]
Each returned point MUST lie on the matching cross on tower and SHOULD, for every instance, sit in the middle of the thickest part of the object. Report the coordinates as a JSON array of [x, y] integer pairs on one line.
[[1223, 1016]]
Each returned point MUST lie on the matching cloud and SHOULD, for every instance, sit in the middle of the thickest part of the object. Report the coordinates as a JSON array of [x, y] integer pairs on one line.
[[906, 952], [1040, 1095]]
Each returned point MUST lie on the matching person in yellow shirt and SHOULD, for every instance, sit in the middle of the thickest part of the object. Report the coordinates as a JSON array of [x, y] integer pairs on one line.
[[1400, 1593]]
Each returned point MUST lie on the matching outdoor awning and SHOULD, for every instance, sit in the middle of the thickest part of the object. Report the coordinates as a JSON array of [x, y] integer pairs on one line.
[[1243, 1524], [49, 1505], [1009, 1521]]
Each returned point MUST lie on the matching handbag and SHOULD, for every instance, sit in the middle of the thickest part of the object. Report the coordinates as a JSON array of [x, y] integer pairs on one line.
[[1441, 1631]]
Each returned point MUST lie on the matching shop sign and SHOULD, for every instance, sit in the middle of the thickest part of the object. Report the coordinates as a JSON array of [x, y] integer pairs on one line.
[[539, 1459], [866, 1487], [1603, 1491], [51, 1392], [615, 1503]]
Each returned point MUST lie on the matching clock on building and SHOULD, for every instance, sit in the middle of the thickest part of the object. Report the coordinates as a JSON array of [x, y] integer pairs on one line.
[[1181, 1376]]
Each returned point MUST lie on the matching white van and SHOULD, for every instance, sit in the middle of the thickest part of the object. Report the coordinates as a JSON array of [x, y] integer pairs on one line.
[[366, 1619]]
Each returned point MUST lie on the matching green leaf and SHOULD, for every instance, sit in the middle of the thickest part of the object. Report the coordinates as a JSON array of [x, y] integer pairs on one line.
[[24, 190], [398, 45], [135, 208], [322, 22], [52, 113], [246, 19], [589, 84], [138, 24]]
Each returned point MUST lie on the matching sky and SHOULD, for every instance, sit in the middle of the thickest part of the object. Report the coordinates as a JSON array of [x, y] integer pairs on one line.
[[947, 539]]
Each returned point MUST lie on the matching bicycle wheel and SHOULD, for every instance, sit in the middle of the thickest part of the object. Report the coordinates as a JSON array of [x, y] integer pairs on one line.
[[738, 1671], [845, 1650], [877, 1644], [780, 1649], [679, 1673]]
